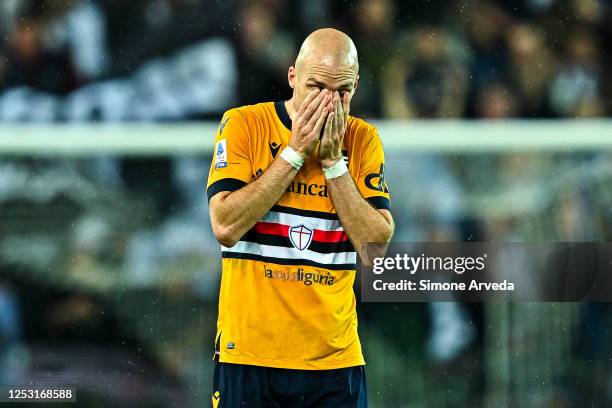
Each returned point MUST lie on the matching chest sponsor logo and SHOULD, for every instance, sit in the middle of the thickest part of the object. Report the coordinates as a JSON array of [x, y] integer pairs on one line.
[[315, 190], [300, 236], [299, 275]]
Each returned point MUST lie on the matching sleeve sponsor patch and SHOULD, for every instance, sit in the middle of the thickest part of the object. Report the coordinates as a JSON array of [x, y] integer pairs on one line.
[[376, 181], [221, 154]]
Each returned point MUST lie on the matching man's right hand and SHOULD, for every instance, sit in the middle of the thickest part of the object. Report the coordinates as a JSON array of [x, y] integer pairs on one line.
[[308, 122]]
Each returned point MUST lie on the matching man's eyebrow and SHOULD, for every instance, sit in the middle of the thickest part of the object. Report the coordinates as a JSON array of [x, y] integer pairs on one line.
[[316, 82]]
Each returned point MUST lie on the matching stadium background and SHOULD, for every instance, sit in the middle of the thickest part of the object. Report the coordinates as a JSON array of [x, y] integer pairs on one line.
[[495, 117]]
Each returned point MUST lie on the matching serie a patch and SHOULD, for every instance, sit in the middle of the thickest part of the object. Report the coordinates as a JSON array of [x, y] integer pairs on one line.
[[221, 154]]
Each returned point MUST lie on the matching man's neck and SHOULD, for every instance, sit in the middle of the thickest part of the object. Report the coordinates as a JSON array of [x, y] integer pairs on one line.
[[290, 109]]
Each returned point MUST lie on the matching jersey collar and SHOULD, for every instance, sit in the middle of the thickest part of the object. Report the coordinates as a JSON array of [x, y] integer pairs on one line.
[[282, 113]]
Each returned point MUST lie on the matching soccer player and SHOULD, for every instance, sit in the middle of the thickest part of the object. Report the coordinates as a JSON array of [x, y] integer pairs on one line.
[[296, 189]]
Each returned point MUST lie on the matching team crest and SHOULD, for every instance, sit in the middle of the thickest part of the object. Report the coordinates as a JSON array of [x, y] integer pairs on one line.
[[300, 236]]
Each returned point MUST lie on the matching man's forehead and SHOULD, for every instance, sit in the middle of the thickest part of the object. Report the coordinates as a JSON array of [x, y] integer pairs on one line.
[[329, 65], [330, 69], [328, 56]]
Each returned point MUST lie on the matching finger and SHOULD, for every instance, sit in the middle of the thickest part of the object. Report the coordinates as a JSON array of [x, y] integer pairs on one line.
[[313, 106], [321, 120], [309, 98], [330, 105], [315, 117], [328, 127], [345, 109], [346, 105], [336, 116], [340, 113]]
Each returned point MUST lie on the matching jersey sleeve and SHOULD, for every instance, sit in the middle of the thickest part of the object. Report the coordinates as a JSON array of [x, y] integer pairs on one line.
[[371, 181], [231, 164]]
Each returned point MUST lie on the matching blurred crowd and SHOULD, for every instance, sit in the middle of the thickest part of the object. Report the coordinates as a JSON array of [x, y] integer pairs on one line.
[[112, 60], [111, 251]]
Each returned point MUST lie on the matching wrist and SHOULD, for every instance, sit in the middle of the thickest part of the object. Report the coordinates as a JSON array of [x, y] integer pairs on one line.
[[299, 151], [327, 163], [333, 169], [295, 159]]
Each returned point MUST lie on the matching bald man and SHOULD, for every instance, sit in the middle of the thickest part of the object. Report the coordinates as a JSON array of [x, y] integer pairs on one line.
[[296, 189]]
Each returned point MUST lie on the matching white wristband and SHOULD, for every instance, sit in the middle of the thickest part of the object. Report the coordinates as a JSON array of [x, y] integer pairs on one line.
[[336, 170], [292, 157]]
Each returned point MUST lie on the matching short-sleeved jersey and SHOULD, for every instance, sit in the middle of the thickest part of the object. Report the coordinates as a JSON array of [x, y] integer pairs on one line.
[[286, 297]]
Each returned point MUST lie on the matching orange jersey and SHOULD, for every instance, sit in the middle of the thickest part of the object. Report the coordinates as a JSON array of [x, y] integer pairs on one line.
[[286, 297]]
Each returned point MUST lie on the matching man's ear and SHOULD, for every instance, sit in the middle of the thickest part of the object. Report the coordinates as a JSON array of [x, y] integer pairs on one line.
[[291, 77], [356, 84]]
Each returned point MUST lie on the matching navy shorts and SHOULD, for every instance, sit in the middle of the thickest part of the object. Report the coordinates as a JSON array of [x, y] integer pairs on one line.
[[237, 386]]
